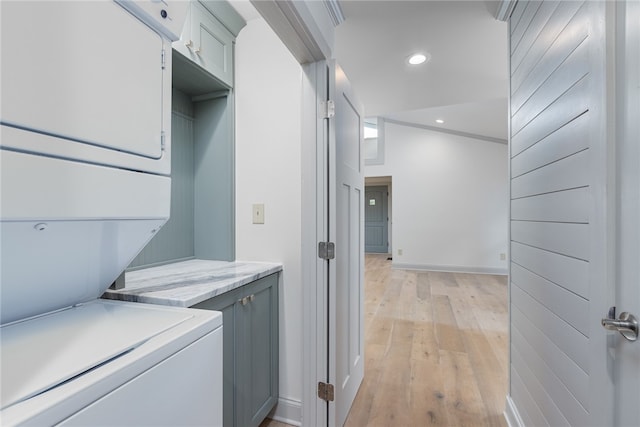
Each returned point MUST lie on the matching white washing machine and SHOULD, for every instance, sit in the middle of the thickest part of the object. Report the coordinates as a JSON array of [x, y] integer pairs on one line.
[[85, 183]]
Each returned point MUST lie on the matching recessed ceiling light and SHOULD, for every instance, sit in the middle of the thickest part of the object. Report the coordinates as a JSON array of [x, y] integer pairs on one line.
[[439, 121], [419, 58]]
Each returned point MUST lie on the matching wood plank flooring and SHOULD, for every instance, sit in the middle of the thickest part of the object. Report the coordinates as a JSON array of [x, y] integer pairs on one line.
[[436, 349]]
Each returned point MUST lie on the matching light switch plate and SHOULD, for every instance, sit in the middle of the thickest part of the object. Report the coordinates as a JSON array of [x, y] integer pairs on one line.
[[258, 213]]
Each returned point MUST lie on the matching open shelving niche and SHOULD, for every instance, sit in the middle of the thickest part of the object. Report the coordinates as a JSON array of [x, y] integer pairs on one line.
[[202, 222]]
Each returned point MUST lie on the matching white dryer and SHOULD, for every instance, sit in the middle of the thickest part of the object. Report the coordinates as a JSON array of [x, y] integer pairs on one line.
[[85, 149]]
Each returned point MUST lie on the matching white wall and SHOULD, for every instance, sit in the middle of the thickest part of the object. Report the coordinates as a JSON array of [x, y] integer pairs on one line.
[[450, 200], [268, 170]]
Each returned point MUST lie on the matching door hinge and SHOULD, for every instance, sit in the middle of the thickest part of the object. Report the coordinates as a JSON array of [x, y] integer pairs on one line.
[[325, 391], [326, 250], [163, 140], [163, 59], [327, 109]]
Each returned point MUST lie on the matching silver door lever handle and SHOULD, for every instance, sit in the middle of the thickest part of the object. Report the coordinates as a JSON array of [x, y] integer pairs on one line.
[[626, 324]]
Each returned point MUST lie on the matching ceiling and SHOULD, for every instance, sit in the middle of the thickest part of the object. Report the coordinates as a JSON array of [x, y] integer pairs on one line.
[[466, 81]]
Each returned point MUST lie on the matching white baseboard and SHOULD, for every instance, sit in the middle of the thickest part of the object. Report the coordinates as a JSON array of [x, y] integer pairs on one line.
[[451, 268], [287, 411], [511, 414]]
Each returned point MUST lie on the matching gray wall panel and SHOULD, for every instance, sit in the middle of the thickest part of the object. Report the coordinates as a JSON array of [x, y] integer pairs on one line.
[[538, 22], [570, 374], [561, 206], [564, 109], [569, 139], [572, 308], [175, 240], [516, 15], [523, 25], [570, 273], [549, 50], [572, 70], [560, 406], [565, 174], [529, 410], [569, 340], [214, 183], [563, 238]]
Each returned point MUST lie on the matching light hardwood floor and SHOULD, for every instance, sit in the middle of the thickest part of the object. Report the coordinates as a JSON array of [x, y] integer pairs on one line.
[[435, 347]]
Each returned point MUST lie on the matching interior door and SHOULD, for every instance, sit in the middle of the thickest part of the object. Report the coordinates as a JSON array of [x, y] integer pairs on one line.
[[627, 368], [376, 219], [346, 229]]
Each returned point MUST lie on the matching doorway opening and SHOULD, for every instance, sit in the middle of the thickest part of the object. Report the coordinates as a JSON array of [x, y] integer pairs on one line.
[[378, 215]]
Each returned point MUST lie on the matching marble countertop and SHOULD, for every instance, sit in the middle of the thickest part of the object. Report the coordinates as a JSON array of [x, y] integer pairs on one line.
[[187, 283]]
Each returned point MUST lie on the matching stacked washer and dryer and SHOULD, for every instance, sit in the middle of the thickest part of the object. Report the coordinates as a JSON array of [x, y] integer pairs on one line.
[[85, 154]]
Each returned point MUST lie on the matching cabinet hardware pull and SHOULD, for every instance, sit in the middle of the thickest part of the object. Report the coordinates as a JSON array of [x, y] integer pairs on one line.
[[252, 297], [198, 50], [189, 44]]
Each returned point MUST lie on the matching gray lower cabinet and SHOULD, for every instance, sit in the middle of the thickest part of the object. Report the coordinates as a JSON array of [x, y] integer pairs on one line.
[[250, 359]]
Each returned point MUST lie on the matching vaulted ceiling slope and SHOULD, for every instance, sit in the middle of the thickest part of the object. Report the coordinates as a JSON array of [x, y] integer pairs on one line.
[[466, 81]]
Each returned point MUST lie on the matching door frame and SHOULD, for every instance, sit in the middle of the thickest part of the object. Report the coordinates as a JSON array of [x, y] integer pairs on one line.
[[627, 105]]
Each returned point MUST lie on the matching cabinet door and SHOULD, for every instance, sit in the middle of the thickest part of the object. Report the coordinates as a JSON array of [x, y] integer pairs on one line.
[[212, 44], [258, 358], [250, 354], [226, 304]]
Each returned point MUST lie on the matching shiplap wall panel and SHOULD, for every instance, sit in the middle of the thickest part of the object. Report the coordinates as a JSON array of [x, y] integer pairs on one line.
[[544, 401], [568, 339], [542, 59], [175, 240], [570, 307], [570, 273], [557, 395], [528, 15], [551, 161], [516, 15], [572, 376], [561, 206], [529, 410], [572, 70], [568, 173], [569, 139], [563, 238], [538, 22], [564, 109]]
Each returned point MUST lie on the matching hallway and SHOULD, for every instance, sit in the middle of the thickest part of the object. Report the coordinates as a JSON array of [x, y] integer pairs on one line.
[[436, 348]]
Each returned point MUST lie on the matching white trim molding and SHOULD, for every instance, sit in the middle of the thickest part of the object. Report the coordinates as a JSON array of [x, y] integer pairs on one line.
[[335, 12], [511, 414], [451, 268], [504, 9], [287, 411]]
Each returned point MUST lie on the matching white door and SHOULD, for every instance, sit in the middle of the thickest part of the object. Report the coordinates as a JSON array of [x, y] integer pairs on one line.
[[627, 373], [346, 229]]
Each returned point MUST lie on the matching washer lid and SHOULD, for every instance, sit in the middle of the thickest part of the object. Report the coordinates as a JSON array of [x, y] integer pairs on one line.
[[41, 353]]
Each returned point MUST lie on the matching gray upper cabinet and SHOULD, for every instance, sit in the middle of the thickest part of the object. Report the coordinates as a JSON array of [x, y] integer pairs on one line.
[[208, 43]]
